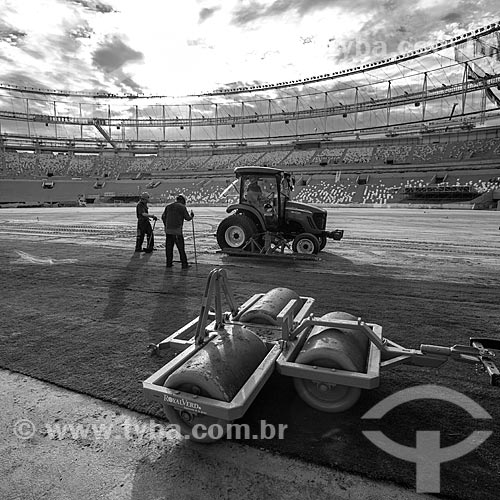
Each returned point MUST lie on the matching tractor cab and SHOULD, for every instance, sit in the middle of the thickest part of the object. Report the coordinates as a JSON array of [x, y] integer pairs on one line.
[[267, 190]]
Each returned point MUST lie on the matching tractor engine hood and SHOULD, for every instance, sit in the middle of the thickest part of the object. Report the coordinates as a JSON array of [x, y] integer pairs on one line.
[[302, 207]]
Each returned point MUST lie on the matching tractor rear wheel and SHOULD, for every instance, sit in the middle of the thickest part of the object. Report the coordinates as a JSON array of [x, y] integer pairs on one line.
[[306, 243], [235, 231]]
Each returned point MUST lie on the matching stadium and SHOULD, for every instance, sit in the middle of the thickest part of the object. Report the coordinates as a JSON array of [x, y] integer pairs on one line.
[[417, 128], [403, 152]]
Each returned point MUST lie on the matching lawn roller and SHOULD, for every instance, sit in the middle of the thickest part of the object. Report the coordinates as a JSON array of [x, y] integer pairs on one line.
[[226, 357]]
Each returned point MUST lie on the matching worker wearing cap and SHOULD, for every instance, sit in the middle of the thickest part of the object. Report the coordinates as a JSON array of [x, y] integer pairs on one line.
[[254, 192], [143, 225], [173, 219]]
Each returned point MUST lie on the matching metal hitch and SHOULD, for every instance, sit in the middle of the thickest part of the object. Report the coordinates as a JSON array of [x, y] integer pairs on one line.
[[485, 346], [337, 235]]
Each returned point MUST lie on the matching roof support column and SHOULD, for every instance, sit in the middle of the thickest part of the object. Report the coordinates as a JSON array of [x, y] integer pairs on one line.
[[216, 122], [269, 118], [28, 117], [325, 124], [424, 94], [296, 117], [163, 121], [465, 81], [242, 120], [136, 123], [190, 121], [388, 103]]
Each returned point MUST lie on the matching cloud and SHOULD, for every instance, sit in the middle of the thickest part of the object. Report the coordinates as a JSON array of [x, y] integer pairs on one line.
[[255, 10], [206, 13], [82, 31], [239, 84], [11, 35], [23, 79], [248, 13], [453, 17], [393, 27], [114, 54], [111, 57], [94, 5]]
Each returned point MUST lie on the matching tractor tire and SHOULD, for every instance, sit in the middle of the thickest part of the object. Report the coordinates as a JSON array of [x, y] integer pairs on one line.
[[322, 242], [306, 243], [234, 231]]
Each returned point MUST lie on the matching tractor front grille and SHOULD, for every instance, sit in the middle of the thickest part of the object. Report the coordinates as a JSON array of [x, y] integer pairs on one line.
[[320, 220]]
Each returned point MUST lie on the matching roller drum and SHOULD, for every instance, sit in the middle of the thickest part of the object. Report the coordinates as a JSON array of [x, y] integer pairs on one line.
[[339, 348], [222, 366], [265, 311]]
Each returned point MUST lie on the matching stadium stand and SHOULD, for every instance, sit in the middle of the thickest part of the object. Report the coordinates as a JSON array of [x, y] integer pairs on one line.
[[221, 161], [195, 163], [358, 155], [374, 174], [171, 162], [329, 155], [251, 158], [398, 154], [428, 153], [299, 158], [324, 191], [274, 158]]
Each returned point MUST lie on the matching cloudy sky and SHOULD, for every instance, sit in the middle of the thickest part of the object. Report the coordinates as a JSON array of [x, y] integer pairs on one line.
[[184, 47]]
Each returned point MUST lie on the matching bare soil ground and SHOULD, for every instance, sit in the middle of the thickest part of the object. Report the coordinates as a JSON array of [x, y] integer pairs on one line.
[[79, 308], [137, 462]]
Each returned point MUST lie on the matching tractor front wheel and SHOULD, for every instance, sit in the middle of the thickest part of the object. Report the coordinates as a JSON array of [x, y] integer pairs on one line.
[[322, 242], [235, 231], [306, 243]]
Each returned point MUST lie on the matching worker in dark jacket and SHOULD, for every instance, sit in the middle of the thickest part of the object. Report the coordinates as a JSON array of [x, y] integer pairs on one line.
[[143, 225], [173, 219]]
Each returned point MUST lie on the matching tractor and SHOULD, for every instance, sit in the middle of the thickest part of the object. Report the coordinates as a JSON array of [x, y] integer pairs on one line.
[[266, 220]]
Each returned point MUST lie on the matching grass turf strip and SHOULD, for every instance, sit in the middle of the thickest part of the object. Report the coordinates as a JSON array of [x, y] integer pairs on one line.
[[86, 327]]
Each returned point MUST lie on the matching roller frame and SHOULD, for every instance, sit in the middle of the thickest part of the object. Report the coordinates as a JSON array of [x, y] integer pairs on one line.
[[154, 391], [287, 366], [284, 342]]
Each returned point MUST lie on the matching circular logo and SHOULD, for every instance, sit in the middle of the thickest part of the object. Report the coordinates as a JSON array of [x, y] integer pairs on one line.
[[24, 428]]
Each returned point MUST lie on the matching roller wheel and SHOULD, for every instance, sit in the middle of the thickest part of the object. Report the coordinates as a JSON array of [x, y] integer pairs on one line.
[[235, 231], [217, 371], [306, 243], [332, 348], [186, 420], [329, 398]]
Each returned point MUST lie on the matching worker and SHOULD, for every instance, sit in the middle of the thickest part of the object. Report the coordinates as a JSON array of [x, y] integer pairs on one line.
[[143, 225], [173, 219], [254, 192]]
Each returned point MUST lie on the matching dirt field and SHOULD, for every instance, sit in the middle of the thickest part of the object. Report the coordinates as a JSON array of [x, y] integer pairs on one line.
[[72, 279]]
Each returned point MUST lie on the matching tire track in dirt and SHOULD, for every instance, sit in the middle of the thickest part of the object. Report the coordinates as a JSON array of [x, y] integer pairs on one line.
[[113, 232]]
